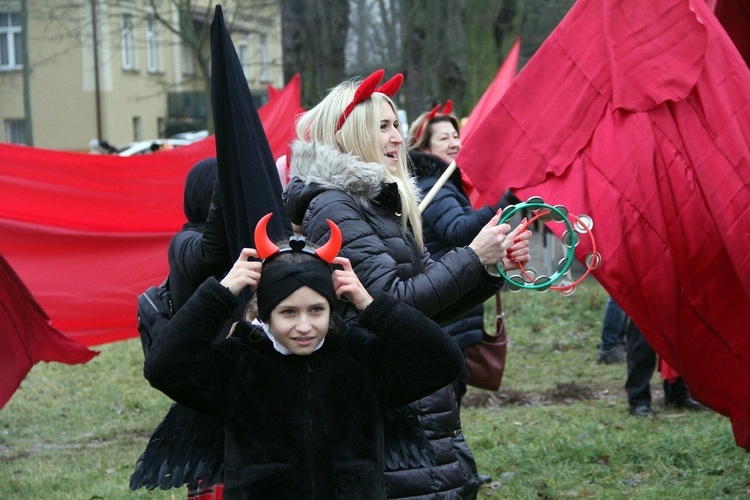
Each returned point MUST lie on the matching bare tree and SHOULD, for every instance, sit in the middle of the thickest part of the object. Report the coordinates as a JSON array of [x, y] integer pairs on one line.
[[314, 39]]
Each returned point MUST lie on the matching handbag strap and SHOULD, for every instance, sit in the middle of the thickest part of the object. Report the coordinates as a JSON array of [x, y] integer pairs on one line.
[[499, 314]]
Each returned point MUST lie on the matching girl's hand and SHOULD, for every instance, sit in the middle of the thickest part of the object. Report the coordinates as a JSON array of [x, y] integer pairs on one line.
[[518, 252], [243, 273], [347, 285], [491, 244]]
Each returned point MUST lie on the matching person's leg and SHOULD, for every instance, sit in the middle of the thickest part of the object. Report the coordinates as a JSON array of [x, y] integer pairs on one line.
[[641, 360], [676, 395], [611, 349]]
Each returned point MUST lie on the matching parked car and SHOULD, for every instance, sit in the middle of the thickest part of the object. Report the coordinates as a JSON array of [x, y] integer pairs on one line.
[[193, 136], [152, 146]]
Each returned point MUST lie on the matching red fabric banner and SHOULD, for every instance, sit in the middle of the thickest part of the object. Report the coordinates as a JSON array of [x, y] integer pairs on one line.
[[489, 99], [27, 335], [279, 116], [88, 233], [638, 114]]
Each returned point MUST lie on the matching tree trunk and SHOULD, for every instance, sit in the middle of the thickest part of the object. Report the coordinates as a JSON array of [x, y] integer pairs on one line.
[[314, 38]]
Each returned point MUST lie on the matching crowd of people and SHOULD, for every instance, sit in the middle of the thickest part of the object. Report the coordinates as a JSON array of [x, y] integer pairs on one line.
[[343, 376]]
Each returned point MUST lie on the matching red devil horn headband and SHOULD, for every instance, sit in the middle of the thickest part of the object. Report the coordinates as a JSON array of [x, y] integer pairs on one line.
[[365, 90], [267, 249], [434, 113]]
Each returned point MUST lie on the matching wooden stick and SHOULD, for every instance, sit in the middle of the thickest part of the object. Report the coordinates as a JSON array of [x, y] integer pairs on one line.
[[443, 178]]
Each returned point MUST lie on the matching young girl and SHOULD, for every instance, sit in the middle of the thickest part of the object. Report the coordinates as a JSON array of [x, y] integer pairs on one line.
[[300, 392]]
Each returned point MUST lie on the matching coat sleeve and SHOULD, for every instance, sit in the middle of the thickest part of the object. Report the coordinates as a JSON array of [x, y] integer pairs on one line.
[[441, 284], [205, 252], [455, 223], [183, 362], [416, 357]]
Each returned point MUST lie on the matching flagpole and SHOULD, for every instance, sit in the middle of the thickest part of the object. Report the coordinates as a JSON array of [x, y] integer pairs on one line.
[[431, 194]]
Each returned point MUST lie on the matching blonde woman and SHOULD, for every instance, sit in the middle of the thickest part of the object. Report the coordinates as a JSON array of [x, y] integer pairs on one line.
[[349, 165]]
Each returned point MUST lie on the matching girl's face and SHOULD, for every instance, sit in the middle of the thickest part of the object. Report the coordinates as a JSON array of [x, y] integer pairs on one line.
[[444, 141], [390, 137], [300, 321]]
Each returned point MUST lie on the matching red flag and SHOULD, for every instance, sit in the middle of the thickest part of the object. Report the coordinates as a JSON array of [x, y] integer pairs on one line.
[[638, 114], [88, 233], [279, 116], [489, 99], [272, 91], [28, 336]]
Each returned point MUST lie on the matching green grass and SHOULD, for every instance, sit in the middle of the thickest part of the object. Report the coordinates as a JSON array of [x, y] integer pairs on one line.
[[558, 427]]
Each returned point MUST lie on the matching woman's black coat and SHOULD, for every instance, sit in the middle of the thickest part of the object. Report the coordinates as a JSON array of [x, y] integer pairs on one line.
[[425, 451], [301, 426]]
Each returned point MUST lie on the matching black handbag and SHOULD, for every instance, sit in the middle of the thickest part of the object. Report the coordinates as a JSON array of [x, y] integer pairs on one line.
[[154, 305]]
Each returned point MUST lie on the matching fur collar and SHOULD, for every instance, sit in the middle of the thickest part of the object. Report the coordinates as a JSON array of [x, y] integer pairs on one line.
[[317, 163]]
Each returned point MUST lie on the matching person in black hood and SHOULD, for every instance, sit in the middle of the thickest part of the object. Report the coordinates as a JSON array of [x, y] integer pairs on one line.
[[199, 249], [349, 166]]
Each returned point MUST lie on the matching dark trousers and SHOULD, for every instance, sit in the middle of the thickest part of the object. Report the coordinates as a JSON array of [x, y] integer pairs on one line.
[[641, 359]]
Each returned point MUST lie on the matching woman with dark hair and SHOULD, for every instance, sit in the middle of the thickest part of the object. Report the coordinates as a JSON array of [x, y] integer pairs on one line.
[[349, 165], [449, 220]]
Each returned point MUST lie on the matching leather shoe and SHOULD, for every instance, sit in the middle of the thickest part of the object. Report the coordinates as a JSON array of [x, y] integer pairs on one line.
[[641, 411], [484, 479], [687, 404]]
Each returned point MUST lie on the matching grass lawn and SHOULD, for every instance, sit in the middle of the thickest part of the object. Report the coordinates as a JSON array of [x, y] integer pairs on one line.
[[558, 427]]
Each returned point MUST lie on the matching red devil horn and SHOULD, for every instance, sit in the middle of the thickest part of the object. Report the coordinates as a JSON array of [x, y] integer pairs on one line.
[[363, 92], [390, 87], [263, 244], [330, 250], [427, 120], [447, 108]]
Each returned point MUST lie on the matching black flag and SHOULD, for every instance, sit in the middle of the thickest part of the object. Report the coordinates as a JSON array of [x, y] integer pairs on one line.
[[249, 182]]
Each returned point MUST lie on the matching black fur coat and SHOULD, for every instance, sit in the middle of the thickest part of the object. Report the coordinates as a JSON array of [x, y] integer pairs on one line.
[[301, 426]]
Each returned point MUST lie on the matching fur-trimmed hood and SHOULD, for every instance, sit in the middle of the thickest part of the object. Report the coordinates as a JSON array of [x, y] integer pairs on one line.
[[322, 164]]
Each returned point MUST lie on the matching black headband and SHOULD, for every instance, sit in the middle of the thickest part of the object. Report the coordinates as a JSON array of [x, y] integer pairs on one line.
[[279, 281]]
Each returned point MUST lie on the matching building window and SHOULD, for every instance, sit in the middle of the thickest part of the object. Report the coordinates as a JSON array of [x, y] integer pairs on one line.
[[161, 126], [11, 47], [244, 54], [187, 60], [14, 131], [264, 58], [137, 131], [152, 46], [126, 40]]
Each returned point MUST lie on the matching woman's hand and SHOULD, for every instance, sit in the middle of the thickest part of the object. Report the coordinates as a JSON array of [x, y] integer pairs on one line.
[[346, 284], [518, 252], [243, 273], [491, 244]]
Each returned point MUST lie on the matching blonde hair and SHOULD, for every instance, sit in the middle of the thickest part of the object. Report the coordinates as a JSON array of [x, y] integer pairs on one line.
[[422, 143], [360, 136]]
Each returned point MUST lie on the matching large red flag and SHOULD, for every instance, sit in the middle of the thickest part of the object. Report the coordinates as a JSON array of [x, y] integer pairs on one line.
[[489, 99], [88, 233], [279, 116], [638, 114], [27, 335]]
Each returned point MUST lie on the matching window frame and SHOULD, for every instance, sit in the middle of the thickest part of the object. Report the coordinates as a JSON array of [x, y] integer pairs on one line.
[[153, 55], [12, 35], [127, 41]]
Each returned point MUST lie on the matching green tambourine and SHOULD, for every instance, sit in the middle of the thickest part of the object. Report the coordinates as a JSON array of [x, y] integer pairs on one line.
[[570, 239]]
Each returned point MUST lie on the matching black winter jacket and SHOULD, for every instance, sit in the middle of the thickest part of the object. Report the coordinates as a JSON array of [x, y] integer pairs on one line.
[[327, 184], [301, 426], [449, 221]]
